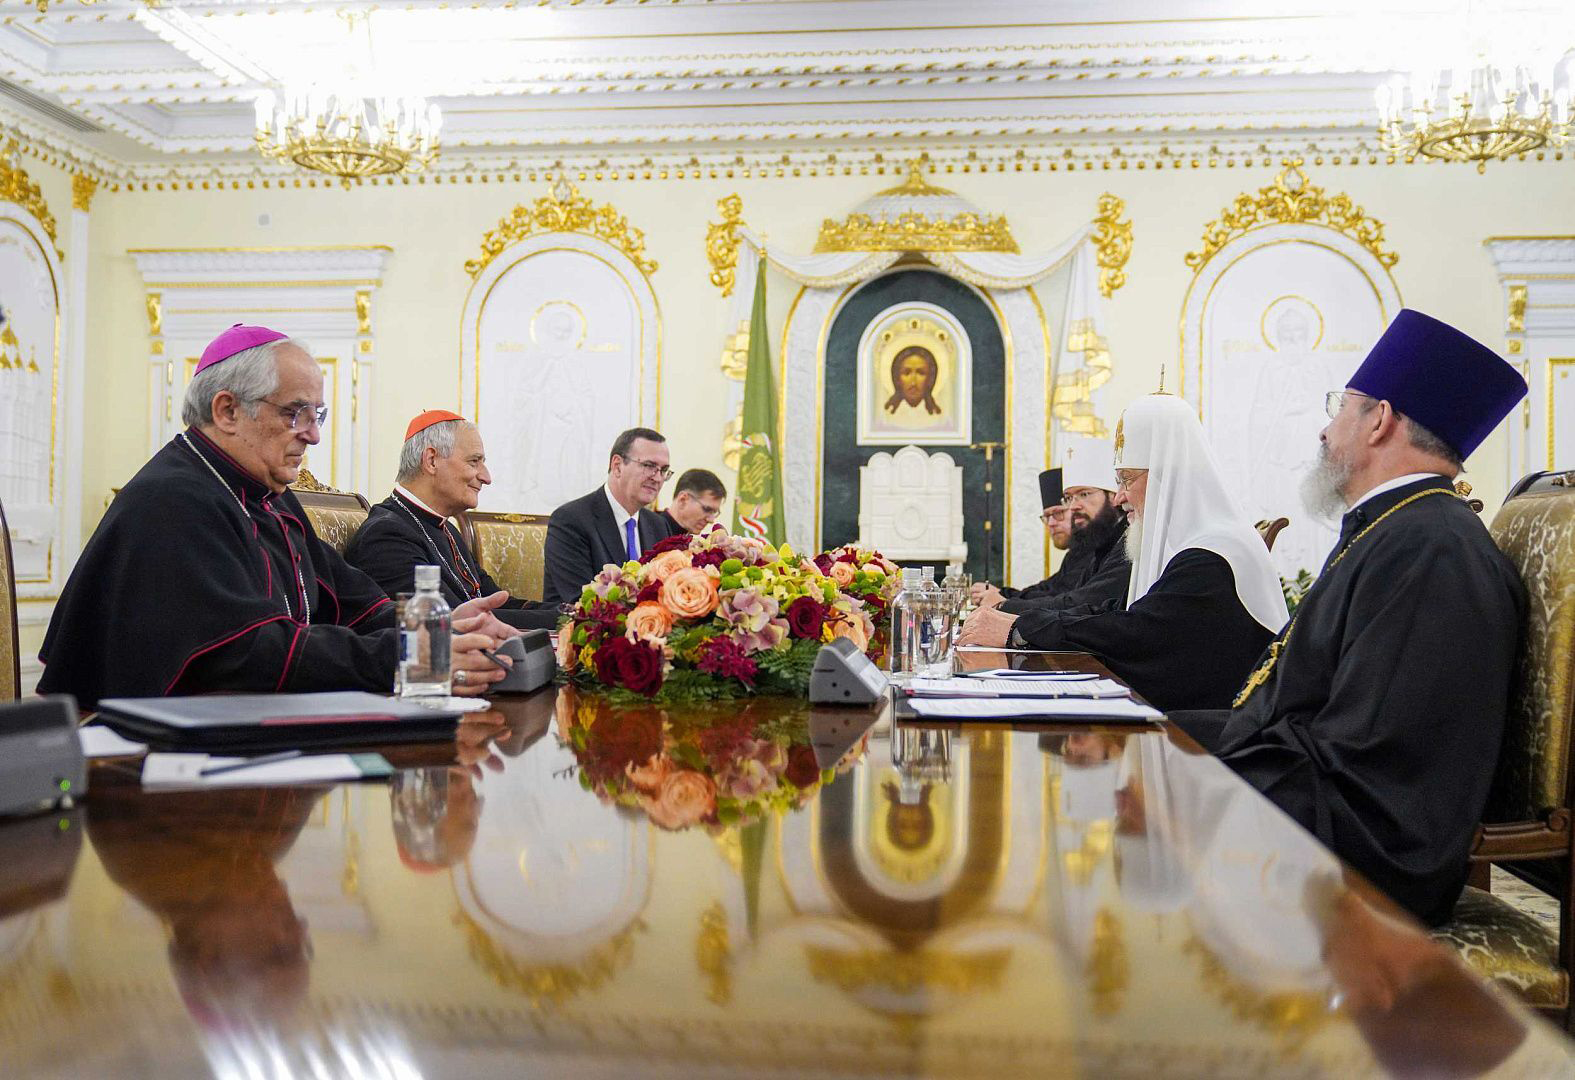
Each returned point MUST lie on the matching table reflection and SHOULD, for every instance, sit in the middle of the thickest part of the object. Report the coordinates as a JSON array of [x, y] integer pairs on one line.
[[832, 892]]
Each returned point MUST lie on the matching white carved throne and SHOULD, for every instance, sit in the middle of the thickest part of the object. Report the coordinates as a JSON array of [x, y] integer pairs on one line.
[[910, 506]]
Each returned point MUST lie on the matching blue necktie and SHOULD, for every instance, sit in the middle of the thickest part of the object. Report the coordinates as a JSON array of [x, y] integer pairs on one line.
[[630, 546]]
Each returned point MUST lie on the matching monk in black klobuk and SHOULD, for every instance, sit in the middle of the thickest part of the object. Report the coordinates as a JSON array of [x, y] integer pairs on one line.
[[1203, 599]]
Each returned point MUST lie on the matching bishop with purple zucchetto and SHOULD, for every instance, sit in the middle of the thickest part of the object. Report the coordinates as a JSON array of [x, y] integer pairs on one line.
[[205, 574]]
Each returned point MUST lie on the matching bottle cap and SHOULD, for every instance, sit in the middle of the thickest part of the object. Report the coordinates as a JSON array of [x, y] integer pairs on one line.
[[910, 573], [426, 577], [927, 573]]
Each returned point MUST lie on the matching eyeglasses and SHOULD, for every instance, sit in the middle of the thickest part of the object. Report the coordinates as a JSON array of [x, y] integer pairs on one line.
[[1334, 399], [662, 471], [301, 416], [1126, 483], [1086, 496]]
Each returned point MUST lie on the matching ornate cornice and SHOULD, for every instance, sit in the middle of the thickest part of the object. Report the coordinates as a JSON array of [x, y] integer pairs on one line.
[[1292, 200], [563, 209], [721, 243], [1112, 244], [17, 187]]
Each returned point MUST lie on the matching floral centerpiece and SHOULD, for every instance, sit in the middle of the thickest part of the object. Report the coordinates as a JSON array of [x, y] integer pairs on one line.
[[717, 615], [712, 766]]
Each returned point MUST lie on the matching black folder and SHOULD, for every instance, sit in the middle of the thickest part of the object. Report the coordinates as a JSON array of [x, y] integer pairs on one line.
[[270, 721]]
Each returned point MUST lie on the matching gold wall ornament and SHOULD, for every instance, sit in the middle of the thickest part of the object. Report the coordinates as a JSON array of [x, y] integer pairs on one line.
[[721, 243], [713, 954], [1517, 310], [550, 984], [735, 353], [940, 229], [1112, 244], [1292, 200], [16, 186], [363, 312], [907, 972], [82, 191], [733, 445], [1109, 971], [1291, 1016], [155, 308], [563, 209]]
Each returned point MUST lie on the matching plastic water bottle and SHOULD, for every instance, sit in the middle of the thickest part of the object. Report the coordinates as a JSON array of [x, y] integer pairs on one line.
[[905, 621], [424, 660]]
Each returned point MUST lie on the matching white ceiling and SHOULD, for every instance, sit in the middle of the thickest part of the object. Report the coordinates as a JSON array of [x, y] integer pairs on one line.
[[166, 90]]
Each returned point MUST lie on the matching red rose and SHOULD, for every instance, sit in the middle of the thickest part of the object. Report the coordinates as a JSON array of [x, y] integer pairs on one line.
[[633, 665], [650, 594], [806, 616], [702, 559], [823, 562], [621, 739], [802, 770], [672, 543]]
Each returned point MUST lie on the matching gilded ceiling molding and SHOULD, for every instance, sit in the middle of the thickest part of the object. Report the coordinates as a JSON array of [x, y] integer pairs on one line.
[[914, 230], [82, 191], [1292, 200], [1112, 244], [721, 243], [564, 209], [17, 187]]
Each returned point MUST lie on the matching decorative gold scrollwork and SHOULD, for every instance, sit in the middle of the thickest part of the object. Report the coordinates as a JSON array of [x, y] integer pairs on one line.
[[82, 191], [1292, 200], [16, 186], [1112, 244], [913, 230], [721, 243], [363, 312], [564, 209], [155, 304], [1517, 310]]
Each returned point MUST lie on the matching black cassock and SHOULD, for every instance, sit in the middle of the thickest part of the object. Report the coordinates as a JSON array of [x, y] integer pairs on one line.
[[1379, 726], [1185, 644], [398, 535], [182, 591], [1092, 578]]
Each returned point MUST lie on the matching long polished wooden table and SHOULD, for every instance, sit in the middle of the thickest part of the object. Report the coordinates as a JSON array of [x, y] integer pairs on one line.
[[781, 891]]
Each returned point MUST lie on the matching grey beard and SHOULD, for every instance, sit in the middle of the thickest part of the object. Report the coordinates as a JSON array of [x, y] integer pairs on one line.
[[1134, 538], [1323, 488]]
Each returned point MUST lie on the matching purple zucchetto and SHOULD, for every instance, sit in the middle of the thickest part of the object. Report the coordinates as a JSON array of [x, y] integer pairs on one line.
[[1450, 383], [236, 339]]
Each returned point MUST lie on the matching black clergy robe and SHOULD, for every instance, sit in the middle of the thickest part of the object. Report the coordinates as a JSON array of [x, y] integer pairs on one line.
[[1379, 726], [1091, 579], [1185, 644], [398, 535], [181, 591]]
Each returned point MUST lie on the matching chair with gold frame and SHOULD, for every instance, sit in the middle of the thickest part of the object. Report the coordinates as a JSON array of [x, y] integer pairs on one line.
[[510, 547], [1527, 827], [10, 637], [1270, 530], [335, 514]]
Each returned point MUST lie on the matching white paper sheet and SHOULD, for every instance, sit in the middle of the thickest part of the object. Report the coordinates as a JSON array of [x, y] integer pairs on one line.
[[185, 770], [99, 741], [1109, 710], [1037, 688], [1023, 675]]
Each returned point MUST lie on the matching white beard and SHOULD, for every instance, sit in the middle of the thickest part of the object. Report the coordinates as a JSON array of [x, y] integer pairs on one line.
[[1323, 488], [1134, 538]]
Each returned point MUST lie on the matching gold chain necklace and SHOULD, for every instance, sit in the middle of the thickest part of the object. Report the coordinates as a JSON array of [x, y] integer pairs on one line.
[[1261, 675]]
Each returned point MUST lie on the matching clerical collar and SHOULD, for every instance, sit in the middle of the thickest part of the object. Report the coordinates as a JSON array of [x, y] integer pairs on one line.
[[233, 471], [1394, 485], [404, 493]]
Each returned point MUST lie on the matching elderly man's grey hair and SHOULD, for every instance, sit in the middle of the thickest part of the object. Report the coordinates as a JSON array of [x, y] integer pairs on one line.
[[251, 375], [439, 437]]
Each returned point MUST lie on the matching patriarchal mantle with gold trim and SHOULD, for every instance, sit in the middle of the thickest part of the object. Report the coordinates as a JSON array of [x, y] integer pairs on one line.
[[961, 240]]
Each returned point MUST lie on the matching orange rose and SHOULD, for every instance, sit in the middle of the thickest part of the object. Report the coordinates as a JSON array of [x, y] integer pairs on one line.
[[649, 621], [689, 593], [648, 778], [665, 565], [567, 650], [684, 798], [852, 627], [842, 573]]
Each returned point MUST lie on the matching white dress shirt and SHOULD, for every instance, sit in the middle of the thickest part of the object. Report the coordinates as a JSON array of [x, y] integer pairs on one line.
[[620, 515]]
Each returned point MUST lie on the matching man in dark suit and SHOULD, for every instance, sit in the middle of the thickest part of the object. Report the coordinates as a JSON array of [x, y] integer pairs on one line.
[[697, 502], [611, 524]]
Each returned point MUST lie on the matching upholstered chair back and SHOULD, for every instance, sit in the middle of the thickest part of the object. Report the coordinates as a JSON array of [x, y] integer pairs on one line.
[[335, 515], [10, 649], [1537, 531], [510, 547]]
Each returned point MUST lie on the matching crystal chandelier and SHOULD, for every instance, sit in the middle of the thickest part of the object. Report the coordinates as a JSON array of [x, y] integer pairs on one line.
[[1490, 92], [339, 128], [343, 134]]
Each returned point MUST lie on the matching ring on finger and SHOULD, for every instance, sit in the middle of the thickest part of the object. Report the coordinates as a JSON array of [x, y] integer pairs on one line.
[[460, 678]]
